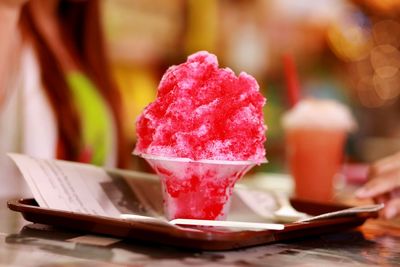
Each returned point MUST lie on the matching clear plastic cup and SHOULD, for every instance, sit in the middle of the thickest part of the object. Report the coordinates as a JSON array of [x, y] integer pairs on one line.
[[197, 189], [315, 135]]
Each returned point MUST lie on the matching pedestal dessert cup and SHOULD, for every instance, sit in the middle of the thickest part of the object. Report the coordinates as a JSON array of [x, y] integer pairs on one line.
[[197, 189]]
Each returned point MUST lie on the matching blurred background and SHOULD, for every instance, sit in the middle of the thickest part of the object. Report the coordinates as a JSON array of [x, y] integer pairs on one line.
[[344, 50]]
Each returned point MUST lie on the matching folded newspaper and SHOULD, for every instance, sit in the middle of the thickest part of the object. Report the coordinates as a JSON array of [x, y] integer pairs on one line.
[[88, 189]]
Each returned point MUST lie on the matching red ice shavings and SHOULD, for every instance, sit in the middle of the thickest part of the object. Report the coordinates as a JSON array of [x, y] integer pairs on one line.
[[204, 112]]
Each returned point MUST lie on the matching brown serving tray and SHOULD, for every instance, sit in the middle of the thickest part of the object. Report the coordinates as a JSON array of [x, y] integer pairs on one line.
[[190, 238]]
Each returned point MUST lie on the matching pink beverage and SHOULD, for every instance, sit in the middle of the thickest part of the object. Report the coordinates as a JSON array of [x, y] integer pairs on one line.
[[314, 157], [315, 134], [197, 189]]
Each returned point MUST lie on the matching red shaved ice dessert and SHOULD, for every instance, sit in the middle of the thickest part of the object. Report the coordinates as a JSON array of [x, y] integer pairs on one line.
[[204, 112], [203, 132]]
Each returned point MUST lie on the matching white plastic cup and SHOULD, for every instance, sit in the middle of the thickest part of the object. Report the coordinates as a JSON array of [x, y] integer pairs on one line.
[[197, 189]]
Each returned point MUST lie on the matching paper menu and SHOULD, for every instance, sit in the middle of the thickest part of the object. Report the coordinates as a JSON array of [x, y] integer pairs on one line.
[[88, 189]]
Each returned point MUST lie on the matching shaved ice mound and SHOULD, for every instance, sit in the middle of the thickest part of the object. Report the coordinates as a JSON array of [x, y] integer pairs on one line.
[[203, 112]]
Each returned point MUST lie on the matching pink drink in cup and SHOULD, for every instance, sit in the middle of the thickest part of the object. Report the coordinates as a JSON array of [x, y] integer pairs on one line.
[[202, 133], [315, 134], [197, 189]]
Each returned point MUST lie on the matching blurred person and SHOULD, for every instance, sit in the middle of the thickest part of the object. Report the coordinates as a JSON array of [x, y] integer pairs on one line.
[[57, 99], [384, 185]]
